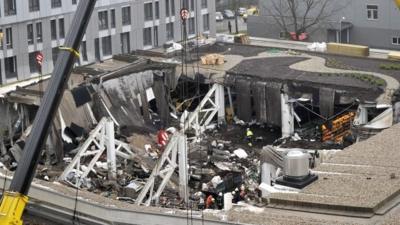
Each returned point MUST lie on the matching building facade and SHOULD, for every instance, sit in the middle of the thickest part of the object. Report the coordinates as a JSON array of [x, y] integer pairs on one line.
[[117, 26], [374, 23]]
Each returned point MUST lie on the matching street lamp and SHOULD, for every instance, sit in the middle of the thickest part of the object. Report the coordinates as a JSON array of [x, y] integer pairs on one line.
[[340, 31]]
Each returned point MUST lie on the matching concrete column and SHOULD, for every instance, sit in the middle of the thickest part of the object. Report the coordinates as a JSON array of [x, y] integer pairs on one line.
[[287, 116], [183, 167], [220, 101], [362, 117], [111, 158]]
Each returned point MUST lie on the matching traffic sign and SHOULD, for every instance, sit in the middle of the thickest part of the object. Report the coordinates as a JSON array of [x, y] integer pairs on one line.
[[185, 14], [39, 58]]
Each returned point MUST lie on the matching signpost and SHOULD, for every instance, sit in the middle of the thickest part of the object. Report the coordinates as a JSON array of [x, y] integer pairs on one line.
[[39, 60]]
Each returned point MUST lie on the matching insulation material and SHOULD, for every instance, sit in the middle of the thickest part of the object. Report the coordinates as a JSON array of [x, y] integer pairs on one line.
[[122, 94], [347, 49], [212, 59], [273, 96], [160, 92], [81, 95], [243, 103], [260, 101], [326, 102]]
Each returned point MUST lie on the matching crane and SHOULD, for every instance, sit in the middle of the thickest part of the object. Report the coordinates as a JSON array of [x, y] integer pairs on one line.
[[14, 200]]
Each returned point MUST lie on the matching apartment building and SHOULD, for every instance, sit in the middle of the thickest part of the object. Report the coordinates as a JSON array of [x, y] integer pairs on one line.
[[367, 22], [117, 26]]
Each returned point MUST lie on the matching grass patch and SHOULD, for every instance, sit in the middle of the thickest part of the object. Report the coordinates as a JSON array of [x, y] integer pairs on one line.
[[334, 63], [367, 78], [390, 66]]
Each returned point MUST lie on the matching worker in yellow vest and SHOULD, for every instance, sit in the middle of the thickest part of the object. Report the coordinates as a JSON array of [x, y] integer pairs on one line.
[[249, 137]]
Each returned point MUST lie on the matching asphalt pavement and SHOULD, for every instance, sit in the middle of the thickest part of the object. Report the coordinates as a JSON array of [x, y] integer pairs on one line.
[[222, 26]]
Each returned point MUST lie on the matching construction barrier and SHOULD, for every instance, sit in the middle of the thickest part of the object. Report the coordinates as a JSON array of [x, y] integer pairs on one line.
[[394, 55], [347, 49]]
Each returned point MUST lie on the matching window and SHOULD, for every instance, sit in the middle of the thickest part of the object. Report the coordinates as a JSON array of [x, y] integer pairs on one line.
[[396, 40], [106, 45], [172, 7], [53, 28], [10, 7], [10, 66], [170, 31], [9, 38], [73, 2], [157, 8], [61, 28], [147, 36], [167, 8], [1, 39], [204, 4], [126, 15], [148, 11], [155, 30], [84, 51], [39, 34], [55, 3], [29, 30], [191, 26], [372, 12], [206, 22], [192, 5], [54, 53], [34, 5], [112, 18], [186, 4], [103, 20], [33, 65]]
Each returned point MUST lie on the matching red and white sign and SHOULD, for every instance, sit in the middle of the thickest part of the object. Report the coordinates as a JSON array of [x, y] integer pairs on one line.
[[39, 58], [185, 14]]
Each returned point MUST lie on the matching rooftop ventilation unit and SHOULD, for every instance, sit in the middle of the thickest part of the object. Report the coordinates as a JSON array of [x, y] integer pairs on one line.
[[296, 170]]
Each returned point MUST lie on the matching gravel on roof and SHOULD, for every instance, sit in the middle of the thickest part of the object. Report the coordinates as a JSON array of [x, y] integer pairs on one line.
[[363, 177]]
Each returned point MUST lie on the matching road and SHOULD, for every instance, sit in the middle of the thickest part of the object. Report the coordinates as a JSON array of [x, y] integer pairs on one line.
[[222, 27]]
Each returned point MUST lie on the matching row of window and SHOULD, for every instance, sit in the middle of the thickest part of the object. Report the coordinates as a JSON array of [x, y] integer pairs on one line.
[[103, 18], [10, 6], [169, 8], [103, 24]]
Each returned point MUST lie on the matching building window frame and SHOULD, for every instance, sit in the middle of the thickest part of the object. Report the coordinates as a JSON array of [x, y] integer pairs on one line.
[[396, 40], [372, 11], [206, 22], [112, 18], [148, 11], [61, 28], [9, 38], [39, 32], [34, 5], [126, 15], [30, 36], [56, 4], [204, 4], [10, 7], [53, 29], [170, 31], [106, 46], [103, 19], [147, 36]]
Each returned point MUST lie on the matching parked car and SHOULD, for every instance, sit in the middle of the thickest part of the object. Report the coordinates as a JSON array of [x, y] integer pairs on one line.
[[228, 14], [242, 11], [219, 16]]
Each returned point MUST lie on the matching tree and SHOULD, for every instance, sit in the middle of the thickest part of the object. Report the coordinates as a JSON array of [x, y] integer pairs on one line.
[[298, 16]]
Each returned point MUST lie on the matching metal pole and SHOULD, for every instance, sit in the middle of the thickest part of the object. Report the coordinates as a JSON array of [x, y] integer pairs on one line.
[[340, 31], [51, 100]]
